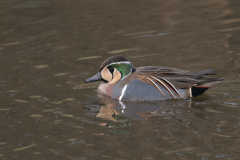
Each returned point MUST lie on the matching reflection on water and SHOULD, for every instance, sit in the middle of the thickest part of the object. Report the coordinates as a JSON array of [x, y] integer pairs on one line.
[[48, 49], [139, 110]]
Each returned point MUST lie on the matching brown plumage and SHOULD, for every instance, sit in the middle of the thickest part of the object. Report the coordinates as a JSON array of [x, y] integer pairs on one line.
[[172, 79]]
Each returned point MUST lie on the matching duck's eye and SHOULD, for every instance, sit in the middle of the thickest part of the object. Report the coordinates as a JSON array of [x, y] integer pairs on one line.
[[111, 69]]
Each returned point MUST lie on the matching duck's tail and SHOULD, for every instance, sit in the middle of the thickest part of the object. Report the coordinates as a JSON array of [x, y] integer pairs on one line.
[[201, 87]]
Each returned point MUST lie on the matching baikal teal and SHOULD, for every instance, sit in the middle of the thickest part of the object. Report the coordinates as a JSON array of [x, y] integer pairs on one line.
[[150, 83]]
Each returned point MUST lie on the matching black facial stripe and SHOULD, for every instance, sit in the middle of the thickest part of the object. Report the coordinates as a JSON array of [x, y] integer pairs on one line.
[[111, 70], [121, 75], [133, 70], [105, 81]]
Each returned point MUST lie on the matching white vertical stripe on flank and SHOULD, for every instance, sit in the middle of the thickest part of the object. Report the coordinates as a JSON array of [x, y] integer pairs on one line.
[[190, 90], [123, 92]]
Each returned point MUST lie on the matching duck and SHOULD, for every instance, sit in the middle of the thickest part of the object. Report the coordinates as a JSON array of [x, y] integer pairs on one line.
[[122, 81]]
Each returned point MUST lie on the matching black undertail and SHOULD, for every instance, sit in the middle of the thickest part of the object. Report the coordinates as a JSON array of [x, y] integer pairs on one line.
[[196, 91], [201, 87]]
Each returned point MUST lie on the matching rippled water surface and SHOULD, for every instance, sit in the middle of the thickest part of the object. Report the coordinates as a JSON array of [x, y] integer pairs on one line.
[[48, 48]]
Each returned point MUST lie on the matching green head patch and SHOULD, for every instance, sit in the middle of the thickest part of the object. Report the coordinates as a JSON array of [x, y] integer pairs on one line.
[[125, 68]]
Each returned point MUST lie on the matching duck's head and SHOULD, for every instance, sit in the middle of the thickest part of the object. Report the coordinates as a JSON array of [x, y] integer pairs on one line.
[[113, 69]]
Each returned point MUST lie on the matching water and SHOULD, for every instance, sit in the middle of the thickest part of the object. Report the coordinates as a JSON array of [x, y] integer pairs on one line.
[[48, 49]]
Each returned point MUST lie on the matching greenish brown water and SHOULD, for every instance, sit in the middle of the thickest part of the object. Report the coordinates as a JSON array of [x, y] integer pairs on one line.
[[48, 48]]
